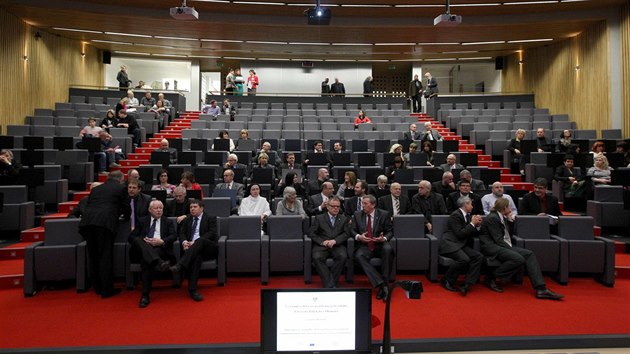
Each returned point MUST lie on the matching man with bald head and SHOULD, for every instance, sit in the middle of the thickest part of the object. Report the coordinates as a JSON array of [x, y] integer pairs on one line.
[[315, 186], [318, 203], [164, 147], [488, 200], [451, 164], [428, 204], [134, 176], [446, 186]]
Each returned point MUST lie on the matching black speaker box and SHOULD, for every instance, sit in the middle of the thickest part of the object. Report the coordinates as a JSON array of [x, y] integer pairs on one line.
[[107, 57], [498, 63]]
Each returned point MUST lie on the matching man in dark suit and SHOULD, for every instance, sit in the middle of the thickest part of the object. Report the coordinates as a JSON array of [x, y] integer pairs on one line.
[[179, 206], [538, 202], [199, 238], [456, 243], [318, 150], [381, 188], [99, 225], [338, 89], [431, 89], [415, 88], [315, 186], [351, 205], [444, 187], [329, 233], [317, 204], [152, 245], [233, 164], [412, 134], [396, 203], [138, 203], [570, 176], [372, 229], [464, 191], [428, 204], [172, 152], [430, 134], [496, 242], [475, 184], [451, 164], [228, 183], [543, 144]]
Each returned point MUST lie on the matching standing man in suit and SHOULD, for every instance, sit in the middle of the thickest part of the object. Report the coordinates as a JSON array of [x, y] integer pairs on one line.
[[318, 203], [464, 191], [325, 88], [138, 203], [372, 229], [396, 203], [451, 164], [430, 134], [432, 86], [456, 244], [338, 89], [152, 244], [538, 202], [496, 242], [351, 205], [413, 133], [99, 225], [228, 183], [329, 233], [199, 238], [415, 88], [428, 204]]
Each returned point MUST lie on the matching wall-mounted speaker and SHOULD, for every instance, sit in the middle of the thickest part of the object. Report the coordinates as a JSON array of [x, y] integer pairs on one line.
[[107, 57], [499, 63]]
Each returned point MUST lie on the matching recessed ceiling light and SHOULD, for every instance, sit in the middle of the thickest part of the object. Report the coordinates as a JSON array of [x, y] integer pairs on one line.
[[128, 34], [531, 40], [176, 38], [75, 30], [480, 43]]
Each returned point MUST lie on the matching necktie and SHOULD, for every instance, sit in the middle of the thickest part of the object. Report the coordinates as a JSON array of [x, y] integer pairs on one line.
[[332, 221], [397, 206], [468, 218], [506, 235], [133, 214], [152, 229], [229, 185], [359, 205], [194, 228], [371, 245]]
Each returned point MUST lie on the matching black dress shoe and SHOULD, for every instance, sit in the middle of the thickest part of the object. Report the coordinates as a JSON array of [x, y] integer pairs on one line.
[[176, 268], [464, 289], [195, 295], [163, 266], [447, 285], [548, 294], [383, 292], [144, 301], [492, 285], [113, 292]]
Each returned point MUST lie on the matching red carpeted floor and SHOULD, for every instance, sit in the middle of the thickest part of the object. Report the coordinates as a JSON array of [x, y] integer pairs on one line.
[[62, 318]]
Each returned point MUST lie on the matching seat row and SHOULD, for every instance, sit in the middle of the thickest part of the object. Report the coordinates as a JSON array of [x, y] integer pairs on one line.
[[487, 105], [321, 106], [265, 134]]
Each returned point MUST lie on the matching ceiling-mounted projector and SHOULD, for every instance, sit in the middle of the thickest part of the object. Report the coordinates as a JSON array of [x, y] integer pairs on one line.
[[318, 16], [184, 13], [447, 20]]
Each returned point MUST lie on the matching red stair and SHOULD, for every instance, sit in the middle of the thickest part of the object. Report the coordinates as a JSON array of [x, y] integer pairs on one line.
[[14, 251], [32, 235]]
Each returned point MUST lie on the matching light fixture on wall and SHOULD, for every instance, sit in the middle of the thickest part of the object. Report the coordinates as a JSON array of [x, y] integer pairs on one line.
[[25, 57], [520, 62], [83, 55], [577, 68]]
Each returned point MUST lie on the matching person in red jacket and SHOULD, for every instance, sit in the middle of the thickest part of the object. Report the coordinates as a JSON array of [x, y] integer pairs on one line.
[[360, 119], [252, 82]]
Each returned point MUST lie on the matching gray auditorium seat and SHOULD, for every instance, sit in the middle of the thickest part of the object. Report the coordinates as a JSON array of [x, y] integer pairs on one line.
[[43, 112], [612, 134], [588, 253], [68, 122], [286, 246], [245, 245], [415, 250], [43, 130], [55, 188], [41, 120], [95, 100], [561, 125], [376, 261], [218, 206], [17, 213], [585, 134], [66, 131], [607, 207], [61, 256]]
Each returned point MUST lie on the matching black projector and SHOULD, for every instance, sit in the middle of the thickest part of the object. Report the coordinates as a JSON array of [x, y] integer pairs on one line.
[[318, 16]]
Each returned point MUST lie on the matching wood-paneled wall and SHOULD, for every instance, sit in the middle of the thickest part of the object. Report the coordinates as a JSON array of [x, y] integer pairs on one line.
[[54, 63], [552, 73], [625, 69]]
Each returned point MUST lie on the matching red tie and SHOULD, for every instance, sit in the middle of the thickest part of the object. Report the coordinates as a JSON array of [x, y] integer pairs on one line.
[[371, 245]]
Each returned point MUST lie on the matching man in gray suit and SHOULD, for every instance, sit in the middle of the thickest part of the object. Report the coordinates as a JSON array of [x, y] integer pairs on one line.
[[451, 164], [228, 183], [430, 134], [475, 184], [329, 233]]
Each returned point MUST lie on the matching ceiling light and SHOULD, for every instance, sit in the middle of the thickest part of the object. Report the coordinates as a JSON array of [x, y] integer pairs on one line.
[[75, 30], [318, 15], [128, 34], [155, 45], [480, 43], [475, 5], [222, 40], [353, 44], [258, 3], [132, 53], [394, 44], [204, 56], [110, 42], [441, 59], [532, 2], [176, 38], [364, 5], [475, 58], [239, 58], [443, 43], [413, 5], [531, 40], [308, 43], [169, 55], [461, 52], [273, 59], [265, 42]]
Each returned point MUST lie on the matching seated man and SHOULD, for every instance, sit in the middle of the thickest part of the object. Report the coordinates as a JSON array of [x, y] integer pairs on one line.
[[315, 186], [475, 184], [9, 168], [372, 229], [355, 203], [179, 206], [412, 134], [318, 203], [538, 202], [488, 200], [446, 186], [430, 134], [266, 148], [381, 188], [318, 148], [464, 191], [147, 101], [212, 109], [543, 144], [152, 244], [228, 183], [395, 203], [456, 243], [134, 176], [138, 202], [451, 163], [428, 204], [329, 233], [199, 239], [165, 148], [129, 122], [573, 182], [233, 164], [496, 242]]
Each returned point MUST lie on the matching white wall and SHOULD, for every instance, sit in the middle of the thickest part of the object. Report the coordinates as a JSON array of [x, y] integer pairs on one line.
[[290, 78], [466, 74]]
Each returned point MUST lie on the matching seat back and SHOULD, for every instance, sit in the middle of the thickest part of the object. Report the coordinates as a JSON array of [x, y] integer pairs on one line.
[[284, 227], [244, 227], [440, 225], [14, 194], [218, 206], [576, 227], [59, 232], [532, 226], [409, 226]]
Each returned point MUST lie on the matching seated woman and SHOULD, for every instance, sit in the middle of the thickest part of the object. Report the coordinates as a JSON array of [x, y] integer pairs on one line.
[[427, 149], [397, 164], [291, 180], [349, 180], [396, 149], [223, 134], [163, 184], [515, 148], [565, 145], [360, 119], [290, 205], [254, 204], [161, 113], [188, 182], [598, 148], [263, 162], [600, 173], [413, 149], [109, 121], [90, 130]]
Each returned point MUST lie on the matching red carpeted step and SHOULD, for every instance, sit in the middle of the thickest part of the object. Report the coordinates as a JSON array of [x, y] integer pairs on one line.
[[133, 163], [524, 186], [452, 137], [53, 217], [169, 135], [102, 178], [153, 143], [597, 230], [14, 251], [11, 273], [77, 196], [482, 157], [32, 235], [144, 150], [622, 272], [66, 207], [490, 164], [620, 247], [509, 178]]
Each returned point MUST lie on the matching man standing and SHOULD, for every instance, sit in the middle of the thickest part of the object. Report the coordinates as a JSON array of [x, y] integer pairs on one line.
[[496, 242], [329, 233], [488, 200], [318, 203], [412, 134], [325, 88], [230, 82], [432, 89], [99, 225], [415, 88], [428, 204], [338, 89], [396, 203], [152, 244], [430, 134], [372, 229], [367, 87], [199, 239], [123, 78], [455, 244]]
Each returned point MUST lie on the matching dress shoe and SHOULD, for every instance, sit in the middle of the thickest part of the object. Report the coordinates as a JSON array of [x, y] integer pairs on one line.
[[447, 285], [107, 295], [195, 295], [383, 292], [492, 285], [464, 289], [144, 301], [548, 294], [162, 266], [176, 268]]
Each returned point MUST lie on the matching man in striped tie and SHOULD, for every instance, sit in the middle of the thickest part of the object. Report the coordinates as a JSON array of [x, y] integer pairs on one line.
[[152, 245]]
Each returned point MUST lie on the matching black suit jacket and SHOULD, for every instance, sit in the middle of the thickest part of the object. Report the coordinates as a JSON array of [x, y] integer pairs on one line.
[[458, 233], [170, 207], [314, 202], [207, 228], [435, 206], [447, 168], [531, 205], [321, 229], [380, 224], [451, 203], [350, 206], [438, 188], [385, 203], [562, 174], [105, 205], [407, 136], [167, 231], [142, 202], [491, 234]]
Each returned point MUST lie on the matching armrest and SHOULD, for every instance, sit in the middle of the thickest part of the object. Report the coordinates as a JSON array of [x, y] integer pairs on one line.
[[434, 245], [520, 242], [29, 271], [264, 259], [177, 250], [308, 249], [221, 272]]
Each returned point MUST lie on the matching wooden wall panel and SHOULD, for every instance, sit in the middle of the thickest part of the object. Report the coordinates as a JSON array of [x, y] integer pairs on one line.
[[625, 69], [54, 64], [550, 72]]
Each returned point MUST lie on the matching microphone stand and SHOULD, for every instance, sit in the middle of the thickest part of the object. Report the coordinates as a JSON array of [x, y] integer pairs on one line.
[[413, 289]]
